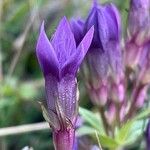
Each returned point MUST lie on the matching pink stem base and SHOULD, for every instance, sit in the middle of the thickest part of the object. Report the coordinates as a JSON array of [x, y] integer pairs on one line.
[[64, 140]]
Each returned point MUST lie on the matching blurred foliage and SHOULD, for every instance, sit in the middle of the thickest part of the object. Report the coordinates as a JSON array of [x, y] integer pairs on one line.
[[127, 135], [21, 83]]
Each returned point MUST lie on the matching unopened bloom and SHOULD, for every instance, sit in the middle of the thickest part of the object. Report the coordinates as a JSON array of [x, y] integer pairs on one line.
[[104, 56], [144, 64], [60, 59], [138, 31], [105, 52], [142, 95], [139, 20]]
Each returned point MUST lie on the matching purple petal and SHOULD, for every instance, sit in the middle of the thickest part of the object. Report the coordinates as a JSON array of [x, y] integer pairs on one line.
[[98, 62], [72, 65], [77, 29], [136, 4], [103, 27], [139, 20], [46, 55], [115, 21], [115, 56], [91, 20], [51, 89], [67, 99], [61, 100], [63, 41]]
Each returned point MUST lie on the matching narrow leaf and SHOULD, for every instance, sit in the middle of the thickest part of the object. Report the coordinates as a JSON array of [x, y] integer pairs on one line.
[[85, 130], [123, 133], [108, 142], [92, 119]]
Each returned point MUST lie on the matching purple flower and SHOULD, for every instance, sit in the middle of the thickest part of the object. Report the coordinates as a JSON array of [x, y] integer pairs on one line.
[[77, 28], [138, 31], [139, 20], [60, 59], [144, 64], [105, 50], [104, 56]]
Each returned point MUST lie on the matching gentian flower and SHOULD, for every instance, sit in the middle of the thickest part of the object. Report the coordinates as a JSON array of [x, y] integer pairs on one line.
[[138, 31], [77, 28], [105, 47], [60, 59], [139, 20], [104, 56]]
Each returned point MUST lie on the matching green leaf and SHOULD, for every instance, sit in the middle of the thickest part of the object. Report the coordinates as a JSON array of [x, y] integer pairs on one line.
[[131, 130], [136, 131], [21, 10], [92, 119], [123, 133], [108, 142], [85, 130], [143, 114]]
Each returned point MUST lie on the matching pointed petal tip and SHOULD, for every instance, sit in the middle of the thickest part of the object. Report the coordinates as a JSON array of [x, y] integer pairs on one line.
[[90, 33], [64, 20], [42, 27], [92, 29]]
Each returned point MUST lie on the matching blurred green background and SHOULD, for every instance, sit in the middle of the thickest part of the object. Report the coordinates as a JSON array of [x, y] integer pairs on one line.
[[21, 81]]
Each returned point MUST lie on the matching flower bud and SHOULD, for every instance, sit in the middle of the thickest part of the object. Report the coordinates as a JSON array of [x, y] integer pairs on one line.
[[117, 92], [111, 114], [139, 20], [99, 95], [142, 95]]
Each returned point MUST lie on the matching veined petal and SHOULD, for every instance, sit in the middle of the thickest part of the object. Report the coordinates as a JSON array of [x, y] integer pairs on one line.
[[63, 41], [91, 20], [67, 101], [77, 29], [72, 65], [115, 56], [103, 27], [46, 54], [98, 63], [114, 13]]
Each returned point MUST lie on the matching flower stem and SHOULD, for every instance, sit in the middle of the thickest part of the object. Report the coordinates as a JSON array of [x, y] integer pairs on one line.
[[64, 140], [105, 124]]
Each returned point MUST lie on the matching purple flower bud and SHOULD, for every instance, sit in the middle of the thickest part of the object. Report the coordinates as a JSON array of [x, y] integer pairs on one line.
[[142, 95], [144, 64], [60, 59], [132, 54], [147, 136], [117, 92], [123, 112], [105, 47], [145, 56], [138, 27], [139, 19], [99, 94], [105, 50], [111, 114], [77, 27]]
